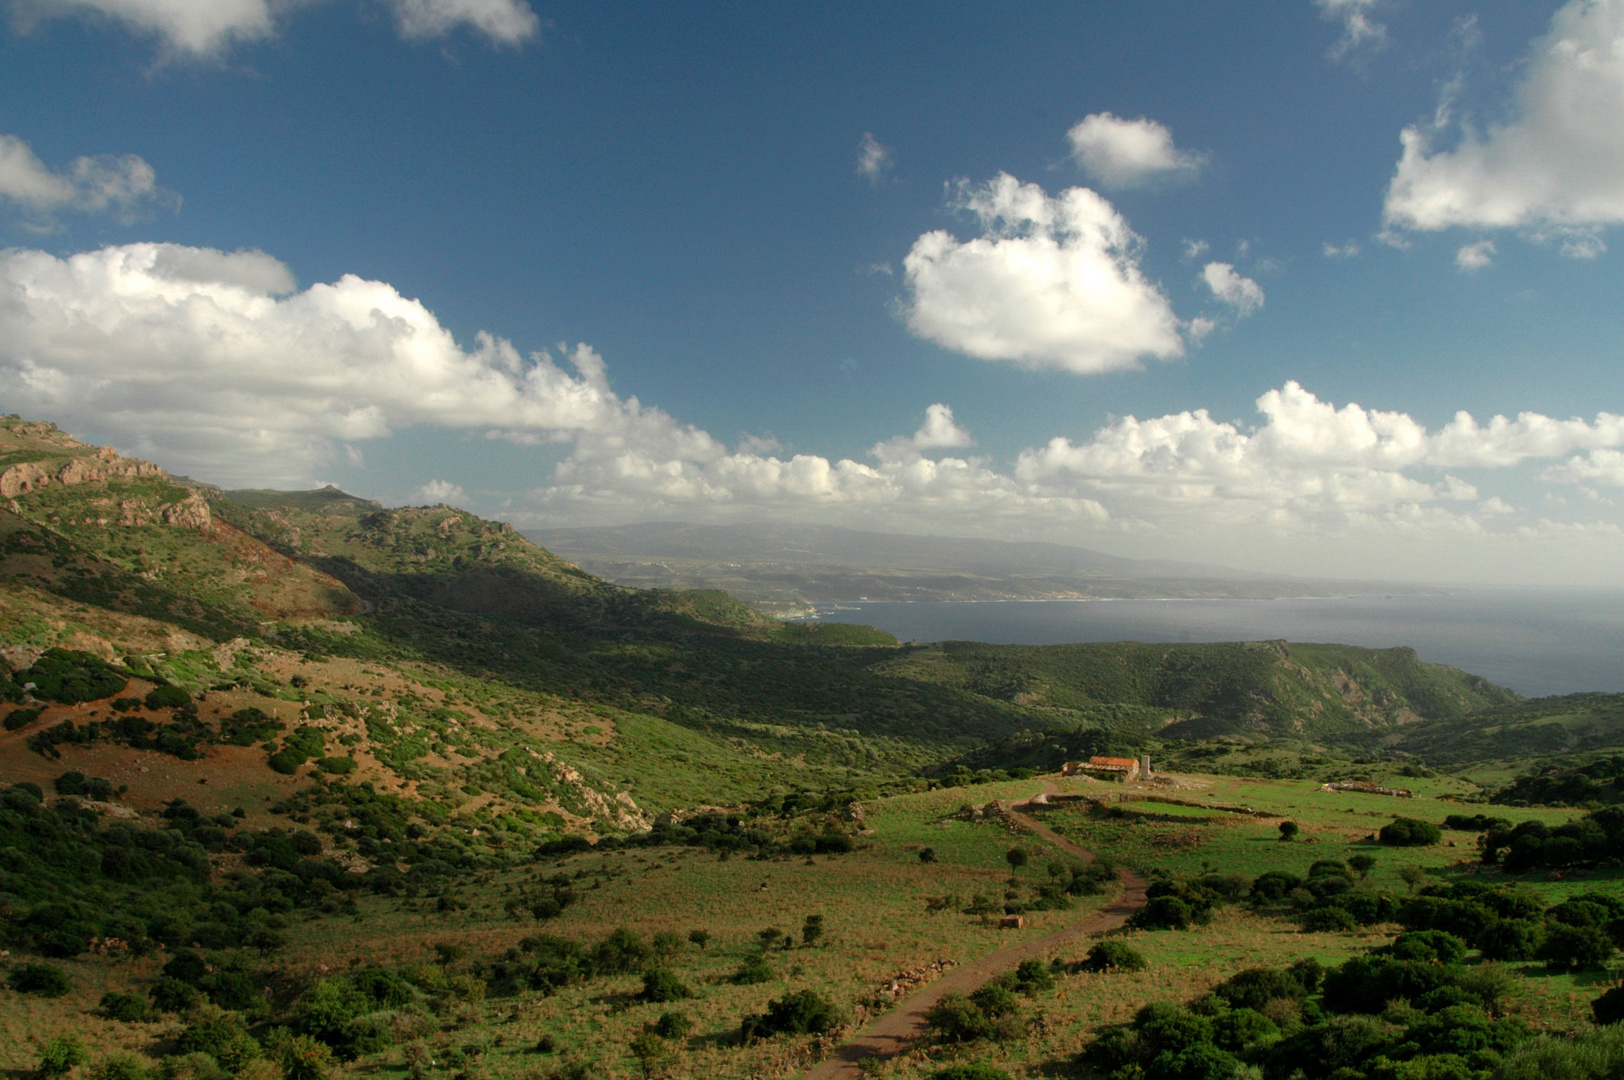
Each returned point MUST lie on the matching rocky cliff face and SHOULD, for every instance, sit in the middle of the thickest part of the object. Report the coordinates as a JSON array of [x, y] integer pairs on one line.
[[53, 457]]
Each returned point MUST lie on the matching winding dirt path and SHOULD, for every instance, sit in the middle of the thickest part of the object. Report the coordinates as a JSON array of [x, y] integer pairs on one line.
[[900, 1028]]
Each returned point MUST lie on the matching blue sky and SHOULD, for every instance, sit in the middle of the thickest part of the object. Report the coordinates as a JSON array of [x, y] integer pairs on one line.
[[1158, 279]]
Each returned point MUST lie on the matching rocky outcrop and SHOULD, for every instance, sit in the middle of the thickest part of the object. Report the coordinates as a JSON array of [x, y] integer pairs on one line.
[[99, 466], [103, 464]]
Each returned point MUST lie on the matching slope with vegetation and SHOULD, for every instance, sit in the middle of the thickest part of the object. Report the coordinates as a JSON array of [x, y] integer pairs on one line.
[[293, 780]]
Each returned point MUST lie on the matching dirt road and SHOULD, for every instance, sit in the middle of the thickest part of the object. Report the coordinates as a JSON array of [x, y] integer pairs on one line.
[[902, 1026]]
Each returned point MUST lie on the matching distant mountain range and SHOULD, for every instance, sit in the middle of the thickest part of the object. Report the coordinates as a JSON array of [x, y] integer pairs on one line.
[[784, 568]]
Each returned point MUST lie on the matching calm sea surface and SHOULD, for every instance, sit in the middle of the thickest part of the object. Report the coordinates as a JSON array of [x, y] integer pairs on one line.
[[1536, 641]]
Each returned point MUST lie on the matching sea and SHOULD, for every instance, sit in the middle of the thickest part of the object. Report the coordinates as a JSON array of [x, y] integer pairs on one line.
[[1535, 641]]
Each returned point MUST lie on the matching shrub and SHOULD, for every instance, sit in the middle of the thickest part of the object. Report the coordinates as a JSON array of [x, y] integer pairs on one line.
[[1289, 831], [1362, 864], [1609, 1007], [1162, 913], [129, 1008], [1254, 988], [673, 1025], [1576, 948], [699, 937], [1409, 832], [60, 1056], [661, 984], [221, 1035], [338, 766], [168, 697], [300, 1056], [70, 677], [1591, 1055], [619, 953], [1329, 920], [926, 855], [1031, 976], [1274, 886], [21, 718], [753, 972], [1112, 955], [805, 1012], [1428, 946], [119, 1067], [956, 1018], [976, 1071], [46, 980]]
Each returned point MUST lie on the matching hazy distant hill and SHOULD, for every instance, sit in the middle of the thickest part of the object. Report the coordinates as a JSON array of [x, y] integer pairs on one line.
[[786, 566]]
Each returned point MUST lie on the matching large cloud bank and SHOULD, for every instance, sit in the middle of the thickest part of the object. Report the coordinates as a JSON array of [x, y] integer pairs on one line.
[[1051, 282], [216, 364], [1555, 167]]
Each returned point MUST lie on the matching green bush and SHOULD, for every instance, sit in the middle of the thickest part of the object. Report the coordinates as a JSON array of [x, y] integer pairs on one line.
[[660, 984], [70, 677], [46, 980], [1327, 920], [1031, 977], [21, 718], [752, 972], [299, 1056], [119, 1067], [129, 1008], [1113, 955], [337, 766], [1162, 913], [60, 1056], [805, 1012], [975, 1071], [956, 1018], [167, 697], [1576, 948], [1609, 1007], [1591, 1055], [221, 1035], [673, 1025], [1409, 832]]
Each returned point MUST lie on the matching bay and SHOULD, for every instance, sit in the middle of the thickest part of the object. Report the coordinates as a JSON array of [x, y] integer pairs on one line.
[[1535, 641]]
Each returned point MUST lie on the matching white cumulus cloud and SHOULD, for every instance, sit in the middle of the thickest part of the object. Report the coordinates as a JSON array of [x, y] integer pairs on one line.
[[211, 27], [125, 186], [1230, 287], [436, 492], [1129, 153], [217, 364], [1555, 167], [1051, 282]]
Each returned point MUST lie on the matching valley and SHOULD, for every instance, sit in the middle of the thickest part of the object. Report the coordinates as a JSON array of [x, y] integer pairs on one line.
[[295, 785]]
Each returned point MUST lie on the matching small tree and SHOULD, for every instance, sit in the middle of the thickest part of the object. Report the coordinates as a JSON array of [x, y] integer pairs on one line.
[[768, 937], [60, 1056], [1289, 831], [927, 855], [812, 930], [1362, 864], [1412, 876], [700, 938], [1016, 857]]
